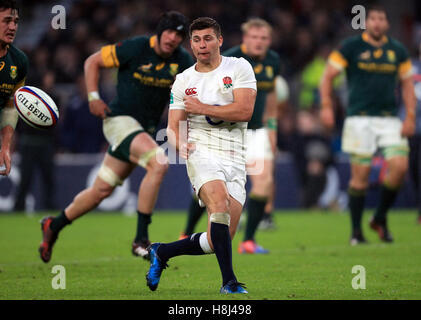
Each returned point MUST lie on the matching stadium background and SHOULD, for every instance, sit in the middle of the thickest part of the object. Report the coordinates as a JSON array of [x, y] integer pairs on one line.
[[304, 32]]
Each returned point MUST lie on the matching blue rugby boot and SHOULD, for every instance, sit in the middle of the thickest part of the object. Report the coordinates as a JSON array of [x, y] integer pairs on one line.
[[154, 274], [233, 287]]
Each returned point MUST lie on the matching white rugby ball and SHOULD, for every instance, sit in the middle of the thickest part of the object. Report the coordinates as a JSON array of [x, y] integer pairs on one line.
[[35, 107]]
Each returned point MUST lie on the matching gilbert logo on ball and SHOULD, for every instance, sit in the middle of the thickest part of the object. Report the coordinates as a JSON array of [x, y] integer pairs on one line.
[[36, 107]]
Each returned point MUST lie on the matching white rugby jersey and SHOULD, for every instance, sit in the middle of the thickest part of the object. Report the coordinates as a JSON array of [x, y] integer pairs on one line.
[[224, 138]]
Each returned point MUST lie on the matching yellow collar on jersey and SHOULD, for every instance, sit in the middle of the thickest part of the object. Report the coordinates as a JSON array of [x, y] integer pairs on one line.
[[152, 41], [365, 37]]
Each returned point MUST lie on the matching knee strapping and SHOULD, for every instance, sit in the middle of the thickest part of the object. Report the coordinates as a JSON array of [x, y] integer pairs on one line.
[[147, 156], [8, 117], [109, 176], [364, 160], [223, 218], [395, 151]]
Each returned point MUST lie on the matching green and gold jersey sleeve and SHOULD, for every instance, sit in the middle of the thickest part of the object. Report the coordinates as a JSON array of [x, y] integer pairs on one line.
[[20, 84], [405, 64], [109, 56], [23, 66], [119, 54], [13, 71], [341, 57]]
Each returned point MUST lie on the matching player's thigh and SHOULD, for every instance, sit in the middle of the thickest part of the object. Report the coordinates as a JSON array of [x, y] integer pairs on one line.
[[261, 183], [214, 194], [397, 165], [259, 151], [144, 151], [394, 146], [202, 169]]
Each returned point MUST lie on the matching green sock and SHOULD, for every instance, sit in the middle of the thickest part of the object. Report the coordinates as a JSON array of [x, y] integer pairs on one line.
[[256, 210], [356, 207], [59, 222], [194, 214], [143, 220], [387, 198]]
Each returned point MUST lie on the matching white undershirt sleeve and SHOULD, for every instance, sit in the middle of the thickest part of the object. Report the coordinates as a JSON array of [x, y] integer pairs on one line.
[[177, 94]]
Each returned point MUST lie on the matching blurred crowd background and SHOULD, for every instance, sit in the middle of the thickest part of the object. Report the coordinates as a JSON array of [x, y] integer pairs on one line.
[[304, 33]]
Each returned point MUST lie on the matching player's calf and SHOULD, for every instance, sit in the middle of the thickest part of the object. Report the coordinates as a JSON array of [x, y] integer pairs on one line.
[[88, 199], [99, 193]]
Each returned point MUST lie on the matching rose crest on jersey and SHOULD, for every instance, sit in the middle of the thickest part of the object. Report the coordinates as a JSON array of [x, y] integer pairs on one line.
[[227, 82]]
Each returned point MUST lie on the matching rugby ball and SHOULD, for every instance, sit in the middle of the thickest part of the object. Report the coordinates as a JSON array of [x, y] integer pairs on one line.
[[35, 107]]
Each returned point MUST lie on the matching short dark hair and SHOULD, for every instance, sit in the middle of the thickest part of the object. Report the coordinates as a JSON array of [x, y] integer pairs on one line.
[[8, 4], [376, 7], [205, 23]]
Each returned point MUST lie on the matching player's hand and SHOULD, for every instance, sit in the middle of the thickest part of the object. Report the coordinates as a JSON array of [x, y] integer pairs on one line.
[[186, 149], [5, 162], [99, 108], [327, 118], [408, 128], [193, 105]]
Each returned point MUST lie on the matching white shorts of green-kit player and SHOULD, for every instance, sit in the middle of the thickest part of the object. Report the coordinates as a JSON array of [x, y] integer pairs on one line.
[[258, 145], [362, 136]]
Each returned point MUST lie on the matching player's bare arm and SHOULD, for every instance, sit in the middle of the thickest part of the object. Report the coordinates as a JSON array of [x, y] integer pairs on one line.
[[92, 67], [240, 110], [6, 140], [408, 96], [271, 117], [10, 117], [326, 87], [177, 134]]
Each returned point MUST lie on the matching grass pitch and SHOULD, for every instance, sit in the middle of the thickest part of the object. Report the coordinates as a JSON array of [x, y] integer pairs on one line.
[[310, 258]]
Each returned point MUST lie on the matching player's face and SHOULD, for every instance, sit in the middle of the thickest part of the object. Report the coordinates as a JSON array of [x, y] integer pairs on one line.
[[377, 24], [205, 45], [169, 41], [257, 41], [8, 25]]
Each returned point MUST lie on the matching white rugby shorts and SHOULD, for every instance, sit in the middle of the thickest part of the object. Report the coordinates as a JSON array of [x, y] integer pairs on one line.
[[203, 166], [363, 135], [258, 145], [116, 129]]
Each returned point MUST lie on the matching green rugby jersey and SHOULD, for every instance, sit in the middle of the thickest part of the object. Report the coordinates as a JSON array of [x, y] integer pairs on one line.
[[13, 70], [144, 78], [372, 74], [265, 71]]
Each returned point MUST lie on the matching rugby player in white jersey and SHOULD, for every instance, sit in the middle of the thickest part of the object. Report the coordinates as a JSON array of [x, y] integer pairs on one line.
[[216, 97]]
